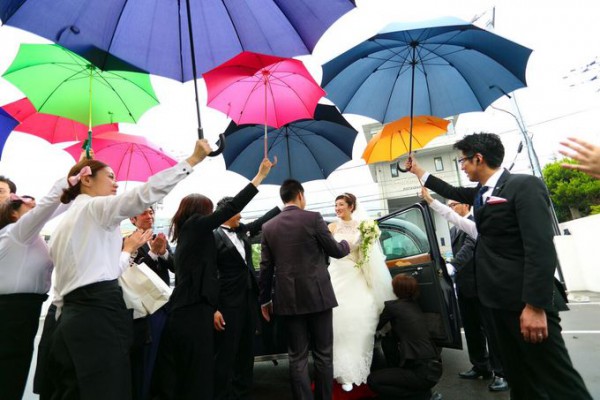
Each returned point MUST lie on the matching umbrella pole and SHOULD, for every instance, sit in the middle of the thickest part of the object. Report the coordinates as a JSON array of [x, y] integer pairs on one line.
[[193, 55], [265, 75], [413, 65], [88, 143]]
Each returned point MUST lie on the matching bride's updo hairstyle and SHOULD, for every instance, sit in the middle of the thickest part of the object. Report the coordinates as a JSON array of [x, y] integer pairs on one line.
[[73, 191], [349, 198]]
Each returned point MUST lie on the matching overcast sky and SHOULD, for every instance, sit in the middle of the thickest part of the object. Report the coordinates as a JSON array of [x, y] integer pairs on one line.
[[564, 37]]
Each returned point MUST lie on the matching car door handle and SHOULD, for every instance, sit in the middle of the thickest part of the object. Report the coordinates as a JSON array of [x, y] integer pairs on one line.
[[417, 271]]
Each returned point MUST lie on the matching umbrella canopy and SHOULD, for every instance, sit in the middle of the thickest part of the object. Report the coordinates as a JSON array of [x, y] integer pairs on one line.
[[440, 68], [132, 158], [254, 88], [393, 141], [306, 150], [49, 127], [154, 34], [59, 82], [7, 124]]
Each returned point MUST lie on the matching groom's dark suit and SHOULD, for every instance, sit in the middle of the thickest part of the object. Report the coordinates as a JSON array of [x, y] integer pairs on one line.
[[293, 274], [238, 302], [515, 260]]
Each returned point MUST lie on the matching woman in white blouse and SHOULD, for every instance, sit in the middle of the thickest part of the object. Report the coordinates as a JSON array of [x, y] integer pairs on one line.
[[25, 269], [89, 351]]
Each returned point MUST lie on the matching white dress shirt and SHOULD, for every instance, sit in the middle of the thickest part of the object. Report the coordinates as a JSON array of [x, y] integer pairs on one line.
[[86, 245], [236, 242], [462, 223], [25, 265]]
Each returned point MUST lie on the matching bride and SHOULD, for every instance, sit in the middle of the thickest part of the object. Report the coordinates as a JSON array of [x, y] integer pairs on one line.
[[360, 292]]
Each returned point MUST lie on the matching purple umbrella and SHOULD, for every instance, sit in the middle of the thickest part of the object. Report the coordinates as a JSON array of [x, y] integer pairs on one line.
[[176, 39], [7, 124]]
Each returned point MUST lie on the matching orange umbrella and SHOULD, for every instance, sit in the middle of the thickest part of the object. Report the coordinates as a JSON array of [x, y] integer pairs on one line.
[[394, 140]]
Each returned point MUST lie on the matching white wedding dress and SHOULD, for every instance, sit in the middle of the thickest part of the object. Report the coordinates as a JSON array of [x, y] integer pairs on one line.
[[360, 293]]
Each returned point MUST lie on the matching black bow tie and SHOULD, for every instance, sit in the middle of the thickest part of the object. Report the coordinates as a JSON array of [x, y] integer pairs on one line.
[[228, 229]]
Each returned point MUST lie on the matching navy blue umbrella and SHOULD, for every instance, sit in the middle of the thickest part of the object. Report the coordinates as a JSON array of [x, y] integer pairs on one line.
[[440, 68], [306, 150], [7, 124], [176, 39]]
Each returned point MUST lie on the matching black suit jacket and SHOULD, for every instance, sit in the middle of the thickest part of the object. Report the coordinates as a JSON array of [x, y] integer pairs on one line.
[[196, 255], [515, 258], [296, 246], [463, 247], [161, 266], [236, 275]]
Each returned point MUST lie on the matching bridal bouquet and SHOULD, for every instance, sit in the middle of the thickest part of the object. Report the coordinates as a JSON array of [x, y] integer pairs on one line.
[[369, 233]]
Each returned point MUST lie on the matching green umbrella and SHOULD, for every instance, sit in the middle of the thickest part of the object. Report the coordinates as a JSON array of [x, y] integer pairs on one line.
[[59, 82]]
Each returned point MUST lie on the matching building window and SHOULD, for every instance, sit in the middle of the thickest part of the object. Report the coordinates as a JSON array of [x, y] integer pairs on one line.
[[439, 164], [394, 170]]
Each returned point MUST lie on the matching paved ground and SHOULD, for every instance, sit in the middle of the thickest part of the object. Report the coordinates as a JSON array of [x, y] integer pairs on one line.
[[581, 330]]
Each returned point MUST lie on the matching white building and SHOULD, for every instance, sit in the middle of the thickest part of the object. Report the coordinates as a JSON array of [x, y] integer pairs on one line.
[[398, 190]]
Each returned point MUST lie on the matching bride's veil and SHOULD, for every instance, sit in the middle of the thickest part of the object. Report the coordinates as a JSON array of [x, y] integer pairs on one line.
[[375, 271]]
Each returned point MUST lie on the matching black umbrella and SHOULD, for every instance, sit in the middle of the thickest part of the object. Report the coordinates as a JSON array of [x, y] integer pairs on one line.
[[306, 150]]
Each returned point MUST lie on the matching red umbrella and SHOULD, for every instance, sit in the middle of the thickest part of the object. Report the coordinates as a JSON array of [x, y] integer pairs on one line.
[[253, 88], [132, 158], [52, 128]]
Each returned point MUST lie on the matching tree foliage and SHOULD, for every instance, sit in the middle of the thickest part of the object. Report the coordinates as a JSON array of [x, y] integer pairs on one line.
[[573, 193]]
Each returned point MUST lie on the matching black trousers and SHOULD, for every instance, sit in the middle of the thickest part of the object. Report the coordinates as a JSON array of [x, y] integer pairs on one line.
[[147, 332], [317, 329], [537, 371], [20, 317], [184, 367], [474, 332], [234, 355], [42, 384], [413, 380], [89, 350]]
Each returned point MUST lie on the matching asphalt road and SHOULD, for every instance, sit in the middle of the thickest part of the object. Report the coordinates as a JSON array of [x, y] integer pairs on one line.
[[581, 330]]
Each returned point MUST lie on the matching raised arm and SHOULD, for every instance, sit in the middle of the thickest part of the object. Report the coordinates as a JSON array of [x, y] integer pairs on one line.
[[29, 226], [254, 227], [111, 210]]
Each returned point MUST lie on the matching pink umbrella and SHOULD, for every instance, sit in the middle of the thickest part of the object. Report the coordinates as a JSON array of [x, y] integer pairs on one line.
[[132, 158], [253, 88], [52, 128]]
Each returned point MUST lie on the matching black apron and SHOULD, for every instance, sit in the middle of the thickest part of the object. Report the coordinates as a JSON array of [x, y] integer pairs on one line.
[[89, 353]]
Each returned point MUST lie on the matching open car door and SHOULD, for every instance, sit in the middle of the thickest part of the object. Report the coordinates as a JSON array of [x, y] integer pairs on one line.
[[410, 246]]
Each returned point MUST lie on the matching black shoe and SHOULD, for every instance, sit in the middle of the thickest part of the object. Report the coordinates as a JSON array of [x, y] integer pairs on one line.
[[474, 374], [498, 384], [436, 396]]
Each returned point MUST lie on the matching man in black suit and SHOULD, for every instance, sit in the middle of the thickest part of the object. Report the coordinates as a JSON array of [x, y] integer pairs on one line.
[[237, 308], [157, 255], [515, 260], [294, 283], [473, 316]]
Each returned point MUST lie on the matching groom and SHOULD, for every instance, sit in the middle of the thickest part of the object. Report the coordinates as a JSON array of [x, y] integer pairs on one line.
[[295, 284]]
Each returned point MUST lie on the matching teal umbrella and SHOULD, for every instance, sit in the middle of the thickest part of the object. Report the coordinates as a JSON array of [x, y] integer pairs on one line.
[[59, 82]]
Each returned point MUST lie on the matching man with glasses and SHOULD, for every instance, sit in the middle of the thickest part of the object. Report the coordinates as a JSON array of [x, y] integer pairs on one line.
[[515, 261]]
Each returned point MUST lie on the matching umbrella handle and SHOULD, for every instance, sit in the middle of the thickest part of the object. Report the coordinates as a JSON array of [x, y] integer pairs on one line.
[[221, 143], [403, 170]]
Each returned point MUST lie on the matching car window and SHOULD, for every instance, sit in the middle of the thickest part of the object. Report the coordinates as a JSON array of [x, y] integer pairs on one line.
[[403, 235]]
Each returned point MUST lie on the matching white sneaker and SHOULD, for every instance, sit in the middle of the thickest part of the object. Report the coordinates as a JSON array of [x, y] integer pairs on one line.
[[346, 387]]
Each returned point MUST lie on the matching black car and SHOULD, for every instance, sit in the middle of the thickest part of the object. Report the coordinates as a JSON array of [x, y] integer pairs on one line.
[[409, 243]]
